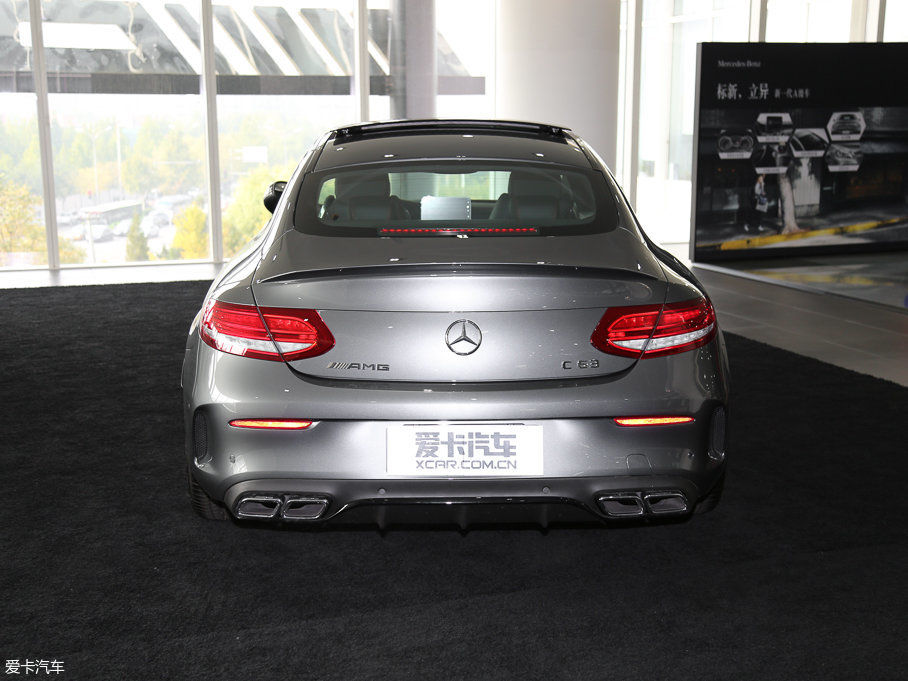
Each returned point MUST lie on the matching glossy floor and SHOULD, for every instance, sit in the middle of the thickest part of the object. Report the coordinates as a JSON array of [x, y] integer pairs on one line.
[[880, 278], [850, 332]]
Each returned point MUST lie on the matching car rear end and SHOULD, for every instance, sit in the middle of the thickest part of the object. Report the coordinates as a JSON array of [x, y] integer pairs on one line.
[[458, 322]]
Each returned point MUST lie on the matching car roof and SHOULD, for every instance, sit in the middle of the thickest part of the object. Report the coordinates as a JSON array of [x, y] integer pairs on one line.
[[457, 140]]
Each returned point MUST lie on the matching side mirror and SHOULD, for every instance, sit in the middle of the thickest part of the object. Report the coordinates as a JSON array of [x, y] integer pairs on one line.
[[273, 195]]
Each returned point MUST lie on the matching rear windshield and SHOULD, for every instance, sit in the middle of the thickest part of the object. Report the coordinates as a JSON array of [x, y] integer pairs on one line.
[[427, 199]]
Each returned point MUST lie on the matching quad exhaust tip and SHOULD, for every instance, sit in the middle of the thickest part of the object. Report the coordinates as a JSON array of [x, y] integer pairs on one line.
[[285, 506], [639, 504], [620, 505]]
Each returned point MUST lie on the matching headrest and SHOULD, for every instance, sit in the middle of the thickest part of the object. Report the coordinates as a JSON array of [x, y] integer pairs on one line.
[[533, 184], [348, 186]]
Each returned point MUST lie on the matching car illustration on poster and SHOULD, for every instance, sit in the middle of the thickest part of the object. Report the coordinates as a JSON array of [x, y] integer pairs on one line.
[[771, 159], [774, 128], [736, 144], [846, 126], [844, 157], [808, 143]]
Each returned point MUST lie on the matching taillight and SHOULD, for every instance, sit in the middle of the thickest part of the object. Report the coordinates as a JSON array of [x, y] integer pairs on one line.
[[655, 330], [244, 330]]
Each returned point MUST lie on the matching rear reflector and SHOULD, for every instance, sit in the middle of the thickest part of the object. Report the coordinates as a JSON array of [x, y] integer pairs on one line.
[[655, 330], [652, 420], [272, 333], [272, 424]]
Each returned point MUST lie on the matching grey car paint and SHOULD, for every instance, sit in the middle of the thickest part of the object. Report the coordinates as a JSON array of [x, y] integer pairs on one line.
[[389, 303]]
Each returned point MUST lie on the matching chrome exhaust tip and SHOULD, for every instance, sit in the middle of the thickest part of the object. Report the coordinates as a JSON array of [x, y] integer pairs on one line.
[[261, 506], [303, 508], [621, 505], [669, 502], [649, 503]]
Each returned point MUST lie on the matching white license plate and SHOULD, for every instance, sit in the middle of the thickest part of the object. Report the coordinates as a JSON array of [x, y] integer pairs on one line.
[[464, 450]]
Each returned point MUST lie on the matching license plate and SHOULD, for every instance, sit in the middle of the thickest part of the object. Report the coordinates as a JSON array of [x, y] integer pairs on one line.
[[464, 450]]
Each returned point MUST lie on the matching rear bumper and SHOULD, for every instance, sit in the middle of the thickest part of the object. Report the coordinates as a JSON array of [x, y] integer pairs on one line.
[[348, 460], [338, 470], [465, 503]]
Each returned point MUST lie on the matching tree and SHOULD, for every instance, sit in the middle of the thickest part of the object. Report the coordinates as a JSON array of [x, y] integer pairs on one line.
[[787, 178], [179, 160], [19, 157], [165, 158], [136, 243], [191, 239], [20, 231], [787, 205], [140, 173], [70, 254], [246, 214]]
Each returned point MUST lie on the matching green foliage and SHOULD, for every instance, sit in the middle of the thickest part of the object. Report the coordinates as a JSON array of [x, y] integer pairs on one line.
[[75, 152], [191, 239], [165, 158], [136, 243], [280, 128], [70, 254], [20, 230], [161, 156], [19, 159], [246, 215], [139, 169], [179, 157]]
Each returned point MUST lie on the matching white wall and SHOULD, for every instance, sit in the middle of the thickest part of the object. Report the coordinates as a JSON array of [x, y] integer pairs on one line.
[[558, 63]]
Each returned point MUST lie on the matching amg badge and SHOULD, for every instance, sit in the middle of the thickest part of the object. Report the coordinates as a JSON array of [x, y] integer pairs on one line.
[[359, 366]]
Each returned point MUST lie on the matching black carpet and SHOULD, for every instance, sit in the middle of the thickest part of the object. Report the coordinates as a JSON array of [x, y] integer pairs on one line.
[[800, 573]]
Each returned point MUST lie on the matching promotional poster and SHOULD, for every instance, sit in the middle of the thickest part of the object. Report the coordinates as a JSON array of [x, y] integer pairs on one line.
[[800, 148]]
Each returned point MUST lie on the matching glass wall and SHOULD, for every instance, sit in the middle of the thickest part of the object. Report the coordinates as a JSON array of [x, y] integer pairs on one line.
[[284, 77], [22, 235], [808, 21], [128, 118], [895, 29], [127, 126], [466, 57], [129, 173], [671, 31], [261, 139]]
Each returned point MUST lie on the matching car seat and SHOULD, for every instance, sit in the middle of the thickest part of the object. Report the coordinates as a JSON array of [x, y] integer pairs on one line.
[[533, 196], [360, 196]]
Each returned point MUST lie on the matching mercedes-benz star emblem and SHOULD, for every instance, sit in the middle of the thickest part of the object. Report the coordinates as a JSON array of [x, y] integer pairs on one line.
[[463, 337]]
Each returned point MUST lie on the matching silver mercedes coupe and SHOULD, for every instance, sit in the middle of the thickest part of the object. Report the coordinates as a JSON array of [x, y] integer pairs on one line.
[[453, 322]]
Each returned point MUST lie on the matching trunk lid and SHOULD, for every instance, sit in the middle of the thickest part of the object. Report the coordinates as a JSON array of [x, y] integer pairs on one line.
[[501, 310]]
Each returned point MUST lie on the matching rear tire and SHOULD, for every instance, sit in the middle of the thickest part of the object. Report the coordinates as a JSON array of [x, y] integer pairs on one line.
[[203, 504], [711, 500]]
